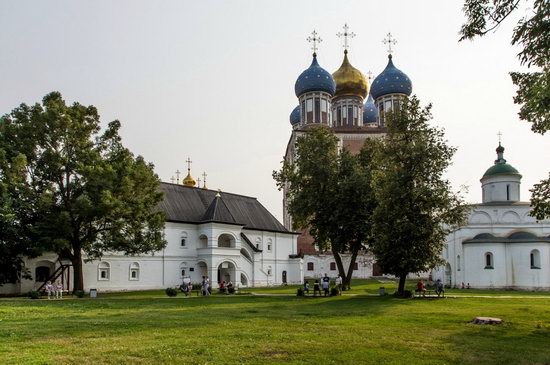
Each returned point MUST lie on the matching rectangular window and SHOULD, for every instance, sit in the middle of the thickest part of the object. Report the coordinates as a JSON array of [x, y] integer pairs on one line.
[[269, 247], [350, 115], [507, 192], [387, 105], [310, 266], [339, 114], [309, 105], [317, 110], [324, 105], [333, 266], [355, 266]]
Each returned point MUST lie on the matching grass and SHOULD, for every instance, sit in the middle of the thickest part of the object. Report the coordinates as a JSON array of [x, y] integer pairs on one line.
[[149, 327]]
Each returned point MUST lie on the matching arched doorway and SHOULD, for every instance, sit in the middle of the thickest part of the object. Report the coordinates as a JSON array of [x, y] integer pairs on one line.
[[226, 272], [448, 274], [284, 277], [244, 280], [43, 271]]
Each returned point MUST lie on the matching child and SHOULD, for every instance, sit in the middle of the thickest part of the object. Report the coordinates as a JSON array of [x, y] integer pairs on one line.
[[306, 287], [49, 289], [58, 290], [316, 288]]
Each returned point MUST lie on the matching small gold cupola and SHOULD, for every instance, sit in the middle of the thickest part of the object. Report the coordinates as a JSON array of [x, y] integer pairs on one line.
[[188, 180]]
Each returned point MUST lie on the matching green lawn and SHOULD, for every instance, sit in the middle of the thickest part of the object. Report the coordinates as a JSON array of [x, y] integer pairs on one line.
[[359, 328]]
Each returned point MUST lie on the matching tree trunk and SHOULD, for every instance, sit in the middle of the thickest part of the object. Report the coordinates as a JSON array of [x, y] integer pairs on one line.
[[341, 270], [401, 288], [76, 259], [350, 268]]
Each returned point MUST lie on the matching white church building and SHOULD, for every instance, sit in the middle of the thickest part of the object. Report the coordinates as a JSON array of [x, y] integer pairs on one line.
[[501, 246], [224, 236]]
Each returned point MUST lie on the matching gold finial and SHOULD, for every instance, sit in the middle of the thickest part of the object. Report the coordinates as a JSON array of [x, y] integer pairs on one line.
[[346, 35], [189, 181], [389, 41], [178, 172], [204, 180], [315, 40]]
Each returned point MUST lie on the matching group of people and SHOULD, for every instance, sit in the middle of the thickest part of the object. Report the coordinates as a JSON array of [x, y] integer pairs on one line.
[[224, 287], [324, 284], [421, 287], [54, 290]]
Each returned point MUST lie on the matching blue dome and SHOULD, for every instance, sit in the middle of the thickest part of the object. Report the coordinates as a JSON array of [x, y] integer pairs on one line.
[[370, 113], [391, 81], [295, 116], [315, 78]]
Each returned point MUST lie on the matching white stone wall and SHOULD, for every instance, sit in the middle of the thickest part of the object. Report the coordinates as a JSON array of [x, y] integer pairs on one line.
[[321, 265]]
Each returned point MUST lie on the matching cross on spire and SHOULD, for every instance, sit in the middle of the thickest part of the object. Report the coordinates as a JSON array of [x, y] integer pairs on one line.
[[499, 134], [347, 35], [369, 76], [204, 179], [389, 41], [189, 162], [172, 179], [198, 182], [315, 40], [178, 172]]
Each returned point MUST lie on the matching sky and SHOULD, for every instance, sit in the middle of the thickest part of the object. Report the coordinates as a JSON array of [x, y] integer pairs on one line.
[[214, 80]]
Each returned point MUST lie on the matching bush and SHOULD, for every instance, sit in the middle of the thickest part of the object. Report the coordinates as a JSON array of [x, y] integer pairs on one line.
[[231, 290], [171, 292], [406, 294], [33, 294], [79, 293], [334, 291], [300, 292]]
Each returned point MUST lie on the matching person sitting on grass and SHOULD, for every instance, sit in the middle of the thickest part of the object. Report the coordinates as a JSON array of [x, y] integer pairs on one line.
[[439, 288], [316, 288], [420, 288]]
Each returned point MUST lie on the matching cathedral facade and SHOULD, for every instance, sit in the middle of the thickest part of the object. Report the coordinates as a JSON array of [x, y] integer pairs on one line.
[[343, 102]]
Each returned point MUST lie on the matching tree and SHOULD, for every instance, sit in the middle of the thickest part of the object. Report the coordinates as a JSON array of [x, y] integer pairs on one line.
[[416, 208], [532, 33], [329, 193], [72, 190]]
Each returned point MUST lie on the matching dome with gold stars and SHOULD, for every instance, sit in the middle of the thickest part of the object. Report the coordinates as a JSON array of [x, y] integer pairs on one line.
[[349, 80]]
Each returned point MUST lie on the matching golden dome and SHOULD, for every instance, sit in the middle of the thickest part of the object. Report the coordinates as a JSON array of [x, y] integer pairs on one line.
[[349, 80], [189, 181]]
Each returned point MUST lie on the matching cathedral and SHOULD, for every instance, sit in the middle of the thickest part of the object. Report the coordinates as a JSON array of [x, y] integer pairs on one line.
[[344, 102]]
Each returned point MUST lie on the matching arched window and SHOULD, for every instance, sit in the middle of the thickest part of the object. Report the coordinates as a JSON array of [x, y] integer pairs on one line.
[[310, 266], [41, 273], [134, 271], [269, 244], [183, 239], [458, 263], [104, 271], [535, 259], [488, 260], [258, 243], [333, 266]]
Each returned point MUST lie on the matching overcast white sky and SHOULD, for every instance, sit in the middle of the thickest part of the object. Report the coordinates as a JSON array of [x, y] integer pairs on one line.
[[214, 81]]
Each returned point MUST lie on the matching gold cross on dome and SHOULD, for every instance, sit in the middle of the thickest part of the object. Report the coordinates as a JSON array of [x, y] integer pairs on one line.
[[315, 40], [189, 162], [346, 35], [389, 41]]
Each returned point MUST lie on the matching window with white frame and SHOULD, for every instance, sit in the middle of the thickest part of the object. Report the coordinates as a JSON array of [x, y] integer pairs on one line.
[[183, 239], [104, 271], [183, 269], [488, 260], [534, 258], [269, 244], [134, 271]]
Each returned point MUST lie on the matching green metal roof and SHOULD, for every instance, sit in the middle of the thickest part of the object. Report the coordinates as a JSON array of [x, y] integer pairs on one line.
[[500, 169]]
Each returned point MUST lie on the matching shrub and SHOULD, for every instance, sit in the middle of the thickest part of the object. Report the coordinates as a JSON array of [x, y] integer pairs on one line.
[[231, 290], [197, 286], [171, 292], [33, 294], [334, 291], [79, 293], [300, 292], [406, 294]]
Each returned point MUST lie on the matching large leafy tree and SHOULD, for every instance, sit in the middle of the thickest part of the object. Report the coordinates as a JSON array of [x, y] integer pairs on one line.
[[329, 193], [70, 189], [532, 34], [416, 206]]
